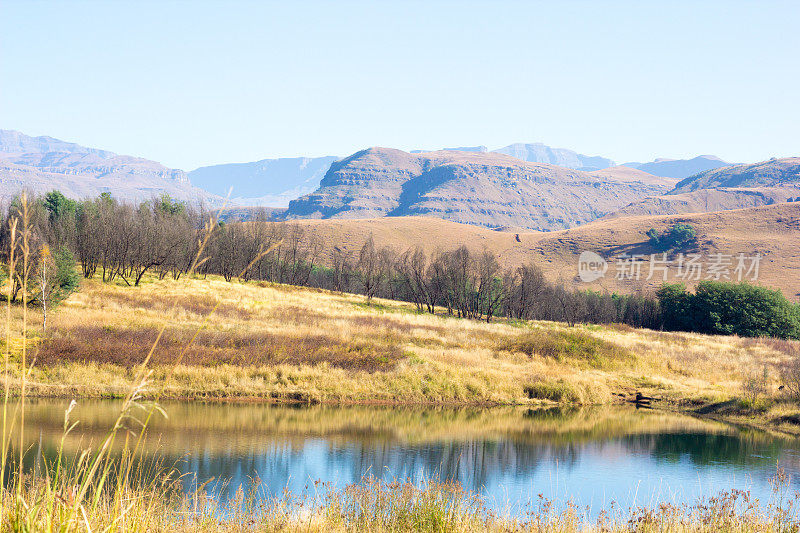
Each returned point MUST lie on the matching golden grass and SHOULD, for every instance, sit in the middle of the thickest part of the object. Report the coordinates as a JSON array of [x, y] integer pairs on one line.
[[281, 343]]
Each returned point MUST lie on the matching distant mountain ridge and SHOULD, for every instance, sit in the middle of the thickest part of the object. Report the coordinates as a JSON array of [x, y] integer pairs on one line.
[[730, 187], [679, 168], [269, 182], [42, 164], [14, 142], [482, 188], [771, 173], [521, 185], [541, 153]]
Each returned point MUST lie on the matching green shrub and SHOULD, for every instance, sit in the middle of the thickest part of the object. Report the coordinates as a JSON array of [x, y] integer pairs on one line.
[[67, 277], [677, 237], [724, 308], [676, 305]]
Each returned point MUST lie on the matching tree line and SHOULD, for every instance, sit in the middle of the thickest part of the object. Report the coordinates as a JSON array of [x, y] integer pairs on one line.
[[119, 241]]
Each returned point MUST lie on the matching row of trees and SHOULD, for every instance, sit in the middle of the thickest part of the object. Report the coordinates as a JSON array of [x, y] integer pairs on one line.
[[119, 241]]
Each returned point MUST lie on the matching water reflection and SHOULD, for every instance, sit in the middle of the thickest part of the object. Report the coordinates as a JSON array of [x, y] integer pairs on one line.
[[591, 456]]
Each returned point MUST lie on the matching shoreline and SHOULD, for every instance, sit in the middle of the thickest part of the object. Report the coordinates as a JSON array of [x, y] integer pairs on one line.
[[704, 412], [251, 343]]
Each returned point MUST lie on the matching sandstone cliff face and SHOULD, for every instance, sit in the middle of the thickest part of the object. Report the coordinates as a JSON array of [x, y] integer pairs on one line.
[[486, 189], [707, 200]]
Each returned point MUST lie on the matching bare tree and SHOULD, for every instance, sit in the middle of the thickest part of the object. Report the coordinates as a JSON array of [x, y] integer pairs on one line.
[[369, 268]]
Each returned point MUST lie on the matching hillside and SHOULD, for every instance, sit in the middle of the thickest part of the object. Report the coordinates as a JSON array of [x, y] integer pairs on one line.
[[772, 231], [485, 189], [41, 164], [772, 173], [281, 343], [679, 168], [732, 187], [706, 200], [623, 173]]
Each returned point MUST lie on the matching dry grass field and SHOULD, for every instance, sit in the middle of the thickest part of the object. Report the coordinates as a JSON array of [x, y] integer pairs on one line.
[[257, 341], [773, 231]]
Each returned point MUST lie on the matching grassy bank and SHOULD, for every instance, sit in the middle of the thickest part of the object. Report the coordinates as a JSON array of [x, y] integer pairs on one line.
[[287, 344]]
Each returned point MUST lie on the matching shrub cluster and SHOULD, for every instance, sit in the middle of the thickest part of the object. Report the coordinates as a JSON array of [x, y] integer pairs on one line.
[[724, 308], [678, 237]]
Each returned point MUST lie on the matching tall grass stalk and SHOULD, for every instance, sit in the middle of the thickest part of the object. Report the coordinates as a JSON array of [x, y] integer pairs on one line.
[[69, 495], [6, 435]]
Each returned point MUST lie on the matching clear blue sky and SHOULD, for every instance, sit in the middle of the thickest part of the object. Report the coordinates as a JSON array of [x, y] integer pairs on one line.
[[196, 83]]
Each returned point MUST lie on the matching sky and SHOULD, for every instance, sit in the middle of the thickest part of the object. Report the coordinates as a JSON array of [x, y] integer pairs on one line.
[[197, 83]]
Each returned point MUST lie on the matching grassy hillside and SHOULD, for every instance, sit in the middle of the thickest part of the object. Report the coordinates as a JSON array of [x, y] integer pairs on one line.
[[771, 173], [706, 200], [773, 231], [280, 343]]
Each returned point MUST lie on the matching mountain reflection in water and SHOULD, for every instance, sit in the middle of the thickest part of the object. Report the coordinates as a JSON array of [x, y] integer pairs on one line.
[[509, 455]]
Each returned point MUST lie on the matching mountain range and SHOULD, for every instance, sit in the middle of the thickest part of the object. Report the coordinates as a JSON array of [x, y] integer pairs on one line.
[[731, 187], [530, 186], [482, 188], [41, 164], [680, 168], [269, 182]]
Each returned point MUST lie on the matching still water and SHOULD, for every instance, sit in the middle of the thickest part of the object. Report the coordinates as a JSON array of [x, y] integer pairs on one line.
[[508, 455]]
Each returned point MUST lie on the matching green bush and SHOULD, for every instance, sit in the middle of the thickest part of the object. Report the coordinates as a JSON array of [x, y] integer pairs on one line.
[[677, 237], [675, 303], [724, 308], [67, 277]]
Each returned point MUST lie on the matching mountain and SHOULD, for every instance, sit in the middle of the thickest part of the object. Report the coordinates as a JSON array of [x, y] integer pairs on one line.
[[679, 168], [41, 164], [486, 189], [459, 149], [14, 142], [269, 182], [772, 173], [730, 187], [540, 153], [467, 149]]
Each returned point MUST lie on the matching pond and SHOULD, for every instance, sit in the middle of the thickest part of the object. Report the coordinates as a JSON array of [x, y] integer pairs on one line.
[[509, 456]]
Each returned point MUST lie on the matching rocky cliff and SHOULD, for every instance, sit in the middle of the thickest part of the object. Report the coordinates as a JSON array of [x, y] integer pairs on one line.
[[486, 189]]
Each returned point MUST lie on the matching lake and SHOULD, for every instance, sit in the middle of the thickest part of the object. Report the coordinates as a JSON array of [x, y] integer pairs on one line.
[[508, 455]]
